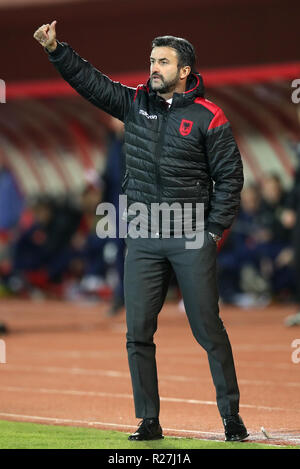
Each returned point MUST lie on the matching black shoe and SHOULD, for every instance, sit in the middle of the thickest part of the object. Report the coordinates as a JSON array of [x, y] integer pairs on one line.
[[149, 429], [235, 429]]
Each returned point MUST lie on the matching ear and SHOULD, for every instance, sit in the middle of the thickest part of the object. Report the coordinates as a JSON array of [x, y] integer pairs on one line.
[[185, 71]]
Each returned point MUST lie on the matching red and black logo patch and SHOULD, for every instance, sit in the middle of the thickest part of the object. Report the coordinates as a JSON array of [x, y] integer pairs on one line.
[[185, 127]]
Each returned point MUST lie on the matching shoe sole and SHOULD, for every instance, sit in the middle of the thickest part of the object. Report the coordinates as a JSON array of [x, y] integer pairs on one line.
[[146, 439], [241, 438]]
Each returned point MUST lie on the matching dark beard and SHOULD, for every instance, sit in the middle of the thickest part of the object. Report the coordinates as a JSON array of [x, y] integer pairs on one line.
[[166, 86]]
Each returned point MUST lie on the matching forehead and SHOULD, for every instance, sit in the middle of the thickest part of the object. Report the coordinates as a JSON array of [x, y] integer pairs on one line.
[[158, 53]]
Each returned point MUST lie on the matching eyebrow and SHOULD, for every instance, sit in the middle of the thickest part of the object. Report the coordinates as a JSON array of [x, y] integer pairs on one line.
[[164, 58]]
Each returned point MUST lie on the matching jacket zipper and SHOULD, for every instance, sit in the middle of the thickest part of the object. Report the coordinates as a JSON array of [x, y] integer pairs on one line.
[[158, 152]]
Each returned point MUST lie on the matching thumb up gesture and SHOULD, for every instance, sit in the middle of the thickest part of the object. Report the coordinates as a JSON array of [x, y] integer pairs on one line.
[[46, 36]]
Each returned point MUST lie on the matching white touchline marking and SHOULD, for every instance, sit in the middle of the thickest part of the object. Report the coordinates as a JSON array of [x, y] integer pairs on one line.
[[90, 423], [95, 423], [286, 366], [123, 374], [60, 420], [261, 348], [72, 371], [129, 396], [268, 383], [64, 392], [241, 347]]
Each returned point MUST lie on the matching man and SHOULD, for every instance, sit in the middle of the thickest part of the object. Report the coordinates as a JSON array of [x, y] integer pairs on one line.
[[176, 143]]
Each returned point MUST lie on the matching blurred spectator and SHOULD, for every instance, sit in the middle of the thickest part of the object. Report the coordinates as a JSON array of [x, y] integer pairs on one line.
[[11, 200], [272, 205], [58, 251], [89, 262], [238, 263], [39, 252], [11, 207], [291, 219], [113, 177], [275, 252], [254, 262]]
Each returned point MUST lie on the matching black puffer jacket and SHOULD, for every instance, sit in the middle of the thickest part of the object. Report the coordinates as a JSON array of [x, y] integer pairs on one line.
[[172, 155]]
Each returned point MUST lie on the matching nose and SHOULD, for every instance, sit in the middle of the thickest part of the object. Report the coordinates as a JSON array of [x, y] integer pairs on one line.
[[155, 69]]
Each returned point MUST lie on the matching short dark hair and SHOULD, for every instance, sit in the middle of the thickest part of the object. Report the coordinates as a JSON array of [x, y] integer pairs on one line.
[[185, 50]]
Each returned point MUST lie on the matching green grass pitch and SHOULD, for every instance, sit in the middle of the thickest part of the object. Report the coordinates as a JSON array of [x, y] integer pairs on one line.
[[15, 435]]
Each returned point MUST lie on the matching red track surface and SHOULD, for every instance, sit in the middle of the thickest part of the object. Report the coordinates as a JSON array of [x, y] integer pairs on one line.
[[67, 364]]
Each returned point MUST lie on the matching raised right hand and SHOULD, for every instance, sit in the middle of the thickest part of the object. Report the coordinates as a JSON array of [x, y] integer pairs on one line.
[[46, 36]]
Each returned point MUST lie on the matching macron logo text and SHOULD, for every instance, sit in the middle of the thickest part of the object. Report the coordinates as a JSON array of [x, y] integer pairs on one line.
[[144, 113]]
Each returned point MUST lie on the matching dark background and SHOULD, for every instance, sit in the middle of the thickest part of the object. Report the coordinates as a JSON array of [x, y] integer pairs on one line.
[[116, 35]]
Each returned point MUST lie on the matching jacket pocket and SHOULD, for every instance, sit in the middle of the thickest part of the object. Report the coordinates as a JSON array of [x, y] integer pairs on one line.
[[202, 193], [205, 196], [199, 191]]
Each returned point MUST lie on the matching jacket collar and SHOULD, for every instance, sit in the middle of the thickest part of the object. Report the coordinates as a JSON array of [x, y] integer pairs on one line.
[[194, 89]]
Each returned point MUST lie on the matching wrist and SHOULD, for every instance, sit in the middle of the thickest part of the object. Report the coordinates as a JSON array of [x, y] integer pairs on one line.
[[215, 228], [215, 237], [51, 47]]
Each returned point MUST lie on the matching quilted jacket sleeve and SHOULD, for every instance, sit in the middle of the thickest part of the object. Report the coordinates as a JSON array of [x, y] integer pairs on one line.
[[226, 170], [110, 96]]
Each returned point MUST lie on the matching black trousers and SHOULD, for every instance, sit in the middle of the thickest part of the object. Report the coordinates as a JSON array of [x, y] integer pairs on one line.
[[148, 267]]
